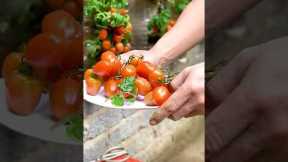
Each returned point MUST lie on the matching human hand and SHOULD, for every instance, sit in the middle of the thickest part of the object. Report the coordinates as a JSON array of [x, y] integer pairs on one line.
[[188, 99], [252, 105]]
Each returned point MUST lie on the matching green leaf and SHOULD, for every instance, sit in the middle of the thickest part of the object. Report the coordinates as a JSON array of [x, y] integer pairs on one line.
[[117, 100], [74, 127], [128, 85]]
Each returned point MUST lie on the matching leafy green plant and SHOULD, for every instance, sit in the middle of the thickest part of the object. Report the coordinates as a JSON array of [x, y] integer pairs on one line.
[[74, 127], [160, 21]]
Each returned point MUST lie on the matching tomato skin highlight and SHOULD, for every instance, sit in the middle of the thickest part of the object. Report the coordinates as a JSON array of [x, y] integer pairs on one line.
[[23, 93], [61, 24], [128, 71], [65, 98], [103, 34], [160, 95], [144, 68], [103, 68], [143, 86], [111, 87]]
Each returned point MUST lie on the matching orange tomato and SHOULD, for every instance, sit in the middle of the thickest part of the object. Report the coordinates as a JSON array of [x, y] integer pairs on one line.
[[123, 11], [103, 68], [155, 78], [113, 49], [108, 56], [11, 63], [143, 86], [106, 44], [144, 69], [111, 87], [158, 96], [120, 30], [103, 34], [23, 93], [66, 98], [61, 24], [128, 70], [119, 47], [93, 83], [45, 50]]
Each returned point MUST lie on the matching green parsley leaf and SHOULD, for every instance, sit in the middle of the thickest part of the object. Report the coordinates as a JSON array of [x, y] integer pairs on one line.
[[118, 100]]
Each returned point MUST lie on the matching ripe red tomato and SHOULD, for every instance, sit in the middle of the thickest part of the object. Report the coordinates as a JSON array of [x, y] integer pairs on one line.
[[143, 86], [103, 34], [106, 44], [120, 30], [66, 98], [144, 69], [11, 63], [119, 47], [111, 87], [112, 58], [128, 70], [45, 50], [61, 24], [93, 83], [103, 68], [108, 56], [155, 78], [158, 96], [23, 93]]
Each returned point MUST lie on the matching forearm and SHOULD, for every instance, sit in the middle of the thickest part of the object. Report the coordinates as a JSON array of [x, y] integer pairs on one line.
[[220, 12], [187, 32]]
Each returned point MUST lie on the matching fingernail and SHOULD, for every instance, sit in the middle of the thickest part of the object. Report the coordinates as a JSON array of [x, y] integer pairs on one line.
[[153, 122]]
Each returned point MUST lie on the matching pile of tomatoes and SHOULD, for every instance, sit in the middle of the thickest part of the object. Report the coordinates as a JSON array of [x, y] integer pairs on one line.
[[107, 27], [49, 64], [126, 81]]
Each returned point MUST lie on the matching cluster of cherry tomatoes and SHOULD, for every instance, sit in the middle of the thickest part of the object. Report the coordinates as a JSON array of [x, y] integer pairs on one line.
[[130, 79], [48, 64]]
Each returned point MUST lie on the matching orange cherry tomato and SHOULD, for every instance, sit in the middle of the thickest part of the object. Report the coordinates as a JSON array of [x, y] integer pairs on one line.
[[156, 77], [161, 94], [123, 11], [143, 86], [61, 24], [45, 50], [23, 93], [93, 83], [128, 70], [117, 38], [108, 56], [111, 57], [106, 44], [73, 8], [103, 34], [66, 98], [103, 68], [158, 96], [111, 87], [119, 47], [11, 63], [144, 69], [129, 28]]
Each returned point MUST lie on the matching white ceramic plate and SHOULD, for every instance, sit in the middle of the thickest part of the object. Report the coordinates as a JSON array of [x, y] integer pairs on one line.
[[102, 101], [38, 124]]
